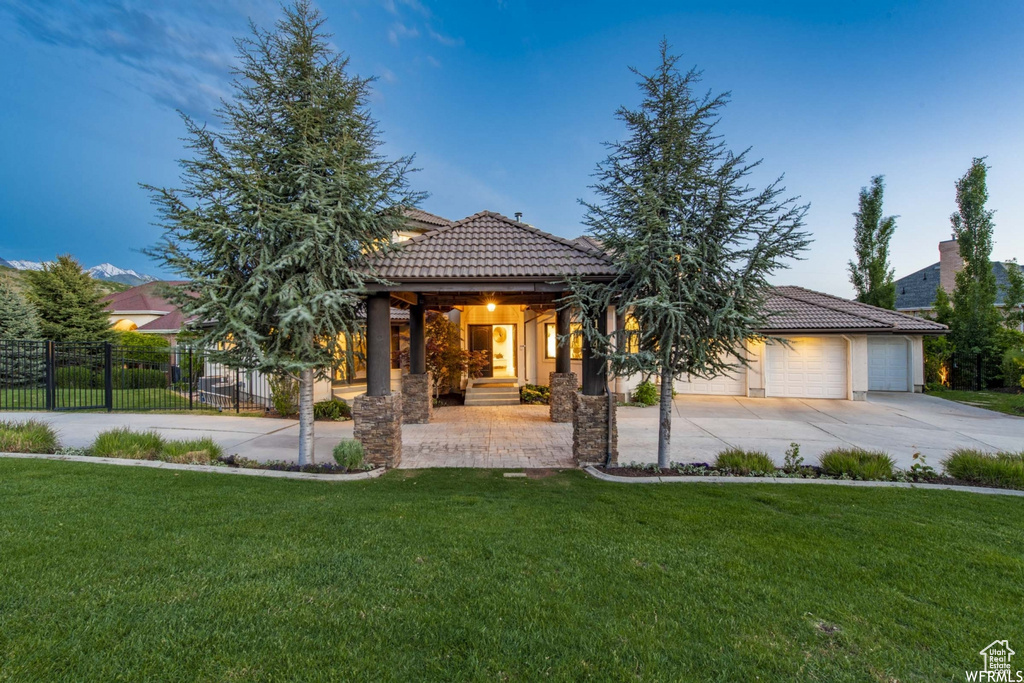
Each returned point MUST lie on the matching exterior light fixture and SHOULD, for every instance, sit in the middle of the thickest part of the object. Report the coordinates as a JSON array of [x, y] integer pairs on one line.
[[490, 306]]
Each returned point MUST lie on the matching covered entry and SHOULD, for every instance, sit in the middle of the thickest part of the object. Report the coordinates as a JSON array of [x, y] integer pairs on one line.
[[500, 345]]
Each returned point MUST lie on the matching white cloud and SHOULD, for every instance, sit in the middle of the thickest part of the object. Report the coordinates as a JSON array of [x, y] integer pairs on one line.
[[400, 31], [443, 39]]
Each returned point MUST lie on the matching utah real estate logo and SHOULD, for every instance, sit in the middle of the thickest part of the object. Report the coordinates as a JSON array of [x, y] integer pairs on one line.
[[997, 667]]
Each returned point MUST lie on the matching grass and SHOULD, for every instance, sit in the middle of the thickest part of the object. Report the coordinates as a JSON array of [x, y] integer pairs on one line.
[[122, 442], [124, 399], [744, 462], [987, 469], [1011, 404], [131, 574], [29, 436], [858, 464]]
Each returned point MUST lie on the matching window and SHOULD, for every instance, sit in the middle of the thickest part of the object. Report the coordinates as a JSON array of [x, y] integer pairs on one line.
[[396, 346], [575, 342]]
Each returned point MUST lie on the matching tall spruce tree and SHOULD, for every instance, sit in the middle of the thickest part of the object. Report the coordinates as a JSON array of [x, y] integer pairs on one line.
[[69, 302], [871, 274], [975, 319], [280, 206], [18, 319], [694, 244], [20, 364]]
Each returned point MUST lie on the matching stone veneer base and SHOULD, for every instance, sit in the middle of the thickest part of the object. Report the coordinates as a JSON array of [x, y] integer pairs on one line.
[[563, 387], [590, 430], [378, 426], [417, 405]]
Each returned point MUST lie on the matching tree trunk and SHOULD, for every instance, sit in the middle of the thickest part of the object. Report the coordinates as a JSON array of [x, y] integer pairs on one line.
[[665, 419], [306, 454]]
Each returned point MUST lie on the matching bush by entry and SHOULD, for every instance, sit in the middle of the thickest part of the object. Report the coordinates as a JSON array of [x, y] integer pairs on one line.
[[464, 574]]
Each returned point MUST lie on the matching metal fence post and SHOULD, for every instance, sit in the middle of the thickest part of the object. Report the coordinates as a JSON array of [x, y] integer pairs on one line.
[[50, 376], [108, 377], [238, 407], [191, 369]]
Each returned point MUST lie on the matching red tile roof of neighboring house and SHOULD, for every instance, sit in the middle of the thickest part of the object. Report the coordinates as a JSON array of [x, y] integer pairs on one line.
[[488, 245], [147, 297], [421, 216]]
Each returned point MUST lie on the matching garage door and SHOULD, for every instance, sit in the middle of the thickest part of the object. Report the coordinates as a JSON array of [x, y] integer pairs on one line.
[[723, 385], [811, 367], [887, 364]]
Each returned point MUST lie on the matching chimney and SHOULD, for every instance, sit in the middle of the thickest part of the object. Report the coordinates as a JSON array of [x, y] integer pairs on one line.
[[950, 264]]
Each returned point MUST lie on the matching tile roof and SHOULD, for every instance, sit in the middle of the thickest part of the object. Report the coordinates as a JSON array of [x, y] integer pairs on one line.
[[796, 308], [917, 290], [488, 245], [421, 216], [147, 297]]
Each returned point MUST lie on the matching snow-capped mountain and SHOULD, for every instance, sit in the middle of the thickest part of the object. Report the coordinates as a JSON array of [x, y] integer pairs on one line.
[[108, 271], [105, 271]]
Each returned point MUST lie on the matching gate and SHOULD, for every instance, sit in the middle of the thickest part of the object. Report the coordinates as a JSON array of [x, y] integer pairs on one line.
[[965, 371], [46, 375]]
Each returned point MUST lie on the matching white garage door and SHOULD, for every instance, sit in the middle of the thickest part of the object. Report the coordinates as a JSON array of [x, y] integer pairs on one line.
[[811, 367], [887, 364], [723, 385]]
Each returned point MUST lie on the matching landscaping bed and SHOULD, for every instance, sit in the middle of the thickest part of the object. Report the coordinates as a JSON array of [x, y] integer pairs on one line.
[[963, 467]]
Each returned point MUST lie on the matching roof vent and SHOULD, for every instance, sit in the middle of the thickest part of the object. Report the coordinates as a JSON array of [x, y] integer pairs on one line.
[[519, 216]]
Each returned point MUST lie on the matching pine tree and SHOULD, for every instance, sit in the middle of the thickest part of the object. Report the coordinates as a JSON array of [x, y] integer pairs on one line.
[[975, 319], [20, 364], [871, 274], [281, 204], [694, 244], [69, 302]]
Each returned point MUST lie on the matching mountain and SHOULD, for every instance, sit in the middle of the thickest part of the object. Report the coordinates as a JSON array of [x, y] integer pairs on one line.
[[106, 272], [110, 272]]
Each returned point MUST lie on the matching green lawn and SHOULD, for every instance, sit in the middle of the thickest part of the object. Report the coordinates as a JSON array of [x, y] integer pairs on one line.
[[1011, 404], [124, 399], [131, 574]]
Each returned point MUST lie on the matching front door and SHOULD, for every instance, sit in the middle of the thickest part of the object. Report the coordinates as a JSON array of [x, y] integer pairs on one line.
[[480, 337]]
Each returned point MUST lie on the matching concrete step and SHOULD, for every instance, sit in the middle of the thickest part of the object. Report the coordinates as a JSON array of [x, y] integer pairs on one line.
[[492, 401], [492, 392]]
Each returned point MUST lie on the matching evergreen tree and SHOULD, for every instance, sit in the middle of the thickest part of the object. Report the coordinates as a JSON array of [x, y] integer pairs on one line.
[[18, 320], [975, 319], [693, 243], [1013, 297], [871, 274], [20, 364], [69, 302], [280, 207]]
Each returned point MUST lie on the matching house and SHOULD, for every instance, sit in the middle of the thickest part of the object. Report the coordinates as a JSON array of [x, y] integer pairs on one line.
[[145, 309], [915, 293], [500, 280]]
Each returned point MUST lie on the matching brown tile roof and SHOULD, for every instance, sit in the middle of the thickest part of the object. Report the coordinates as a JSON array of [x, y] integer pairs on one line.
[[796, 308], [421, 216], [488, 245], [145, 297]]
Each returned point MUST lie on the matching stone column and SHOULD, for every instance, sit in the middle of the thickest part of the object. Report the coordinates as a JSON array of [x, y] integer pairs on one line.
[[417, 340], [378, 413], [563, 349], [378, 426], [591, 429], [417, 402], [563, 387]]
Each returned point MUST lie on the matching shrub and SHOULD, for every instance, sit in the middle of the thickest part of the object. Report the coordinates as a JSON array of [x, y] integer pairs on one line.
[[31, 436], [1000, 469], [739, 461], [124, 443], [192, 451], [793, 460], [349, 454], [646, 394], [284, 394], [857, 463], [535, 394], [78, 376], [136, 378], [1013, 368], [332, 409]]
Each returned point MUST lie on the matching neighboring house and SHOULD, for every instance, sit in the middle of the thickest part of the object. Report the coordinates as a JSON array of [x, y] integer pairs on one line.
[[144, 309], [915, 293], [500, 279]]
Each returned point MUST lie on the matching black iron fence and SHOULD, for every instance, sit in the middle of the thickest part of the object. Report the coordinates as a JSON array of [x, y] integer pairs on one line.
[[964, 371], [46, 375]]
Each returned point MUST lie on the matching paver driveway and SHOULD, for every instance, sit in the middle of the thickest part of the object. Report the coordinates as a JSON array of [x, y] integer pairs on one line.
[[522, 436]]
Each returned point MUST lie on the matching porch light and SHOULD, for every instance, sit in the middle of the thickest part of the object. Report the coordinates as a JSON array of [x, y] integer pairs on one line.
[[490, 306]]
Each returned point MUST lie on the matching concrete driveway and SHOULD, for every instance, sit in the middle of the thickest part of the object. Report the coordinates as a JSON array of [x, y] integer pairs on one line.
[[521, 436], [898, 423]]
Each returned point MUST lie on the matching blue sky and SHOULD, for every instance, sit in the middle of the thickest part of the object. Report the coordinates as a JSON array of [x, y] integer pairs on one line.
[[506, 103]]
